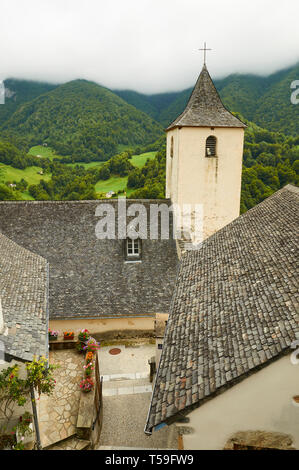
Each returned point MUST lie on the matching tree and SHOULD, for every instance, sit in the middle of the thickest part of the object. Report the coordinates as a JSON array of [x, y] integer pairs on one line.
[[15, 392], [6, 194]]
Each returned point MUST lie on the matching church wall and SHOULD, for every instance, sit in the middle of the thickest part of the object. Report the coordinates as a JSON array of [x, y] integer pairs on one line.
[[172, 164], [214, 182], [261, 402]]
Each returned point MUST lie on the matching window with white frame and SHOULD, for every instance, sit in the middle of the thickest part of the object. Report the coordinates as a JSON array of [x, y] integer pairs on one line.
[[133, 248]]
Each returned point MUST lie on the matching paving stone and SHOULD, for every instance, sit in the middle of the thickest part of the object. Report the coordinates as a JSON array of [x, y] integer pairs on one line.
[[61, 409]]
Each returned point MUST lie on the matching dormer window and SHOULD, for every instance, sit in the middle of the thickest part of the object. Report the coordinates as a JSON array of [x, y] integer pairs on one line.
[[133, 249], [211, 146]]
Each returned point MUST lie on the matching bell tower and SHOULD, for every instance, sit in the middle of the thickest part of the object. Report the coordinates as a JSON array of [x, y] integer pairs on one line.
[[204, 158]]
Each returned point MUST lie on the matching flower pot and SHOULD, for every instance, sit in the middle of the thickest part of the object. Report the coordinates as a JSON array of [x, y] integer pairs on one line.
[[68, 337], [83, 336], [52, 338]]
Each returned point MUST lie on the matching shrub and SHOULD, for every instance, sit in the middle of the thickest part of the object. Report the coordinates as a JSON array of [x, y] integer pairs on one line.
[[88, 369], [86, 385], [91, 346], [83, 335], [88, 357]]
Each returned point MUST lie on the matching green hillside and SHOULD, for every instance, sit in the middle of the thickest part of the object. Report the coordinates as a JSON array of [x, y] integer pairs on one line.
[[153, 105], [264, 100], [55, 173], [81, 119], [19, 92]]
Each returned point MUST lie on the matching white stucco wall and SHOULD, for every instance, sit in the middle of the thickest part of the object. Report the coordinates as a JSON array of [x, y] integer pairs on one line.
[[172, 164], [261, 402], [215, 182]]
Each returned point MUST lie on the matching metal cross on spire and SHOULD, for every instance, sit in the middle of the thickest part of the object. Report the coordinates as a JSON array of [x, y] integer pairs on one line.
[[205, 50]]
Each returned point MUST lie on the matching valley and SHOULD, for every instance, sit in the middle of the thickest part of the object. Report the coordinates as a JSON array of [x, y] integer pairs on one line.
[[34, 174], [80, 140]]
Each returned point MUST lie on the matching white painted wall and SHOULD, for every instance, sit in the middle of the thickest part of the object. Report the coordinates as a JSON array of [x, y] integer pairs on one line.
[[172, 164], [215, 182], [261, 402]]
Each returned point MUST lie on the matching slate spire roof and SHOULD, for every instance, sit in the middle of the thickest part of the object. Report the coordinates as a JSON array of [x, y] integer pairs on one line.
[[234, 308], [205, 108]]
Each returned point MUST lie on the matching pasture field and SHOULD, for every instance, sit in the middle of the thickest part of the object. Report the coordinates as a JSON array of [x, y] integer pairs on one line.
[[140, 160], [117, 183], [32, 176], [40, 150]]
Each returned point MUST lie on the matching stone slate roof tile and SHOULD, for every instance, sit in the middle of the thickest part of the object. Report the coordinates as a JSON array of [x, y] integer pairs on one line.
[[24, 297], [234, 308], [88, 277], [205, 108]]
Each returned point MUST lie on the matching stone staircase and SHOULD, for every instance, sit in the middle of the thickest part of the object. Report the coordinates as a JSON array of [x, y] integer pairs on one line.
[[126, 384], [71, 443]]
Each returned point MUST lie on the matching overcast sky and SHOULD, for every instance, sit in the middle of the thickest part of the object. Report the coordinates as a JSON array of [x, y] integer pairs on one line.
[[145, 45]]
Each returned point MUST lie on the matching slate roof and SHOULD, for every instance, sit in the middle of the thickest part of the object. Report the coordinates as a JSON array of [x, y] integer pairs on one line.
[[205, 108], [234, 307], [24, 295], [90, 277]]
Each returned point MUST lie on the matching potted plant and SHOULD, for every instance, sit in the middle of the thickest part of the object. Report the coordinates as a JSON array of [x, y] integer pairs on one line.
[[88, 369], [68, 335], [53, 335], [86, 385], [80, 346], [83, 335], [88, 357], [91, 345], [26, 418], [24, 431]]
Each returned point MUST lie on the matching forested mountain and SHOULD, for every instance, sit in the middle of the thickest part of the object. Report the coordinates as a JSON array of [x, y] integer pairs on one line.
[[83, 119], [263, 100], [19, 92], [153, 105], [83, 122]]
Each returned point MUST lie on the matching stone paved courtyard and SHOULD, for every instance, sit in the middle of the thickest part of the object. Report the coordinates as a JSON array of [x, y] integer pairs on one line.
[[58, 413], [126, 399]]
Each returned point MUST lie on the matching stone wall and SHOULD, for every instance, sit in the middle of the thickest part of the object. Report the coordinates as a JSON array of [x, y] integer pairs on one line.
[[258, 440]]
